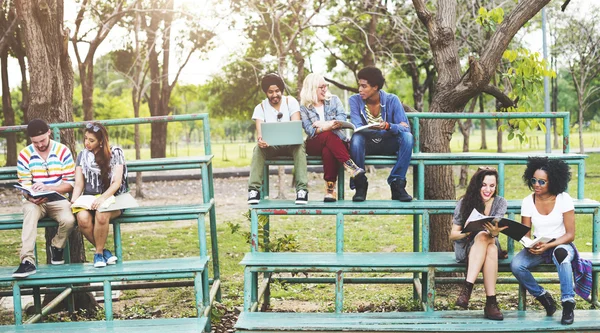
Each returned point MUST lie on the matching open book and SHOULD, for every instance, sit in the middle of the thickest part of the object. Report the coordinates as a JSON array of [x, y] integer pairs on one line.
[[476, 220], [50, 195], [347, 124], [121, 201], [529, 243]]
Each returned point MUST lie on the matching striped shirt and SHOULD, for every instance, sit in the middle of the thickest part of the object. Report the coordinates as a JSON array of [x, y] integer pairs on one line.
[[56, 169], [372, 119]]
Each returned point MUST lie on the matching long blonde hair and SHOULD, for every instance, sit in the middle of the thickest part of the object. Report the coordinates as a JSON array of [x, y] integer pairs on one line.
[[308, 94]]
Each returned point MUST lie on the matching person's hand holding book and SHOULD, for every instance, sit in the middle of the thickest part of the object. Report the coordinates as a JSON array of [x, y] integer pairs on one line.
[[493, 228]]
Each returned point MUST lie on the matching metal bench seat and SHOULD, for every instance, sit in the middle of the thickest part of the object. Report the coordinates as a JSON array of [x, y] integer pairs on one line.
[[447, 321]]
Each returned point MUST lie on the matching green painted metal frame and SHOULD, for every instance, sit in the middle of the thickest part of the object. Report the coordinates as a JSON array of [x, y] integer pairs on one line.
[[203, 163], [415, 208]]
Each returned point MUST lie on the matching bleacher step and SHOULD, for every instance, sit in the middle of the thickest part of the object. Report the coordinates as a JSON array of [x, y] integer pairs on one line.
[[179, 325], [448, 321]]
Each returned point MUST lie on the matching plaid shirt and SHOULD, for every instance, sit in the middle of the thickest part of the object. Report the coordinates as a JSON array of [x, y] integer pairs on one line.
[[333, 110]]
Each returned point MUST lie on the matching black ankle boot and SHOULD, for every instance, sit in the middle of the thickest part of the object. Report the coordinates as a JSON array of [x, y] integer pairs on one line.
[[568, 316], [465, 295], [398, 188], [361, 184], [548, 303], [491, 309]]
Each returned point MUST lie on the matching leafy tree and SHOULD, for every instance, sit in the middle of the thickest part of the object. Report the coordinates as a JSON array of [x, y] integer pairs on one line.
[[102, 16], [579, 42], [455, 87], [51, 75]]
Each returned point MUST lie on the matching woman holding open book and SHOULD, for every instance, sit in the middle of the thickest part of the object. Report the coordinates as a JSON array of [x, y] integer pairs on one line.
[[481, 250], [550, 210], [101, 172], [322, 114]]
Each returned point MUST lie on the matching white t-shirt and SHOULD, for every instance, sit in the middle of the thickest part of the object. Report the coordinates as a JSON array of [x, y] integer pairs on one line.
[[320, 111], [551, 225], [268, 114]]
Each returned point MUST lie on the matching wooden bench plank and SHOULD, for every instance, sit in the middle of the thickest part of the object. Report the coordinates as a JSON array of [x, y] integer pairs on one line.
[[284, 207], [155, 164], [357, 260], [131, 215], [450, 321], [180, 325], [494, 158], [120, 271]]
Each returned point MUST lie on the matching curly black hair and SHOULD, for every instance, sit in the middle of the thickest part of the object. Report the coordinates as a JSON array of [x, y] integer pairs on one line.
[[472, 198], [558, 173], [373, 75]]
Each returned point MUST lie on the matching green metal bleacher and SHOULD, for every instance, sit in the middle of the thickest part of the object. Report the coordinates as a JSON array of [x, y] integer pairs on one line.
[[69, 276], [423, 264]]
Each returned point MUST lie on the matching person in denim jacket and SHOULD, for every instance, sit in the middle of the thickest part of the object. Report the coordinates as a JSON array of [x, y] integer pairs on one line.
[[321, 114], [391, 136]]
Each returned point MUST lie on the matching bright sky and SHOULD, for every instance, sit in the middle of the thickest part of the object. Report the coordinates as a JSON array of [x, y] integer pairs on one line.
[[229, 41]]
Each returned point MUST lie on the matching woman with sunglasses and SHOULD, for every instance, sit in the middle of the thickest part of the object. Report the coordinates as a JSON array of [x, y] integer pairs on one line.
[[480, 251], [321, 113], [100, 170], [549, 209]]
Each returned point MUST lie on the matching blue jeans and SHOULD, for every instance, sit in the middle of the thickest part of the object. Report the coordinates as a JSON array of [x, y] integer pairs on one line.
[[524, 261], [386, 143]]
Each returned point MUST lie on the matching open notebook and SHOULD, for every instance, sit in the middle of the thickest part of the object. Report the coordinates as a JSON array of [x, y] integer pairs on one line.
[[282, 133]]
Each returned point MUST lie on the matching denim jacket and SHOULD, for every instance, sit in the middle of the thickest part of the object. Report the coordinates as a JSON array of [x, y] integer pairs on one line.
[[333, 110], [392, 111]]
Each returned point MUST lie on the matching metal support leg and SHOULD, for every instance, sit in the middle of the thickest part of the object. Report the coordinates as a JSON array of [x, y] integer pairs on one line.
[[18, 307], [522, 306], [339, 292], [247, 289], [108, 306], [37, 300], [431, 289]]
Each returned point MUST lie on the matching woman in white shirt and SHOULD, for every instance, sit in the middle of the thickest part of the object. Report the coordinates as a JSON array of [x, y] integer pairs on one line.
[[550, 211]]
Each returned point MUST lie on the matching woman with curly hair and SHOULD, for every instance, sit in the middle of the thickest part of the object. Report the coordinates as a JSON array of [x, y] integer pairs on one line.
[[480, 250], [550, 210], [100, 170]]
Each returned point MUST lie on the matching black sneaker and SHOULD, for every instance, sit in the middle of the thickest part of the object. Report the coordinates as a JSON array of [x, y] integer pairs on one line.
[[253, 197], [25, 269], [302, 197], [56, 256]]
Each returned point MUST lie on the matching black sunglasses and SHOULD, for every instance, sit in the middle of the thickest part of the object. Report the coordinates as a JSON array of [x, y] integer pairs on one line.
[[540, 182], [93, 127], [45, 165], [279, 116]]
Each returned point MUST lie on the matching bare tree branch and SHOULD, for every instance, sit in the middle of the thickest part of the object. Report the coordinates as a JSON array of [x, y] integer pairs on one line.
[[499, 95]]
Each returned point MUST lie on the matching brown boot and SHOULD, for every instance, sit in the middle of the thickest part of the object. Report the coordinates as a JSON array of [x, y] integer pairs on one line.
[[353, 169], [465, 295], [491, 310], [330, 193]]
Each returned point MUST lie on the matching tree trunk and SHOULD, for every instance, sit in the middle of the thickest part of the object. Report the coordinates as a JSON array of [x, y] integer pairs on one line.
[[465, 130], [580, 122], [8, 112], [369, 58], [454, 89], [51, 95], [482, 124], [439, 180], [499, 136], [86, 72]]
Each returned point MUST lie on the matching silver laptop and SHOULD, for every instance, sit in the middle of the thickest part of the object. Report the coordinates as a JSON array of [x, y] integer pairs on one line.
[[282, 133]]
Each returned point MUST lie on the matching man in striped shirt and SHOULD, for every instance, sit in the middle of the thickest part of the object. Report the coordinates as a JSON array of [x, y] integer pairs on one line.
[[44, 165], [391, 136]]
